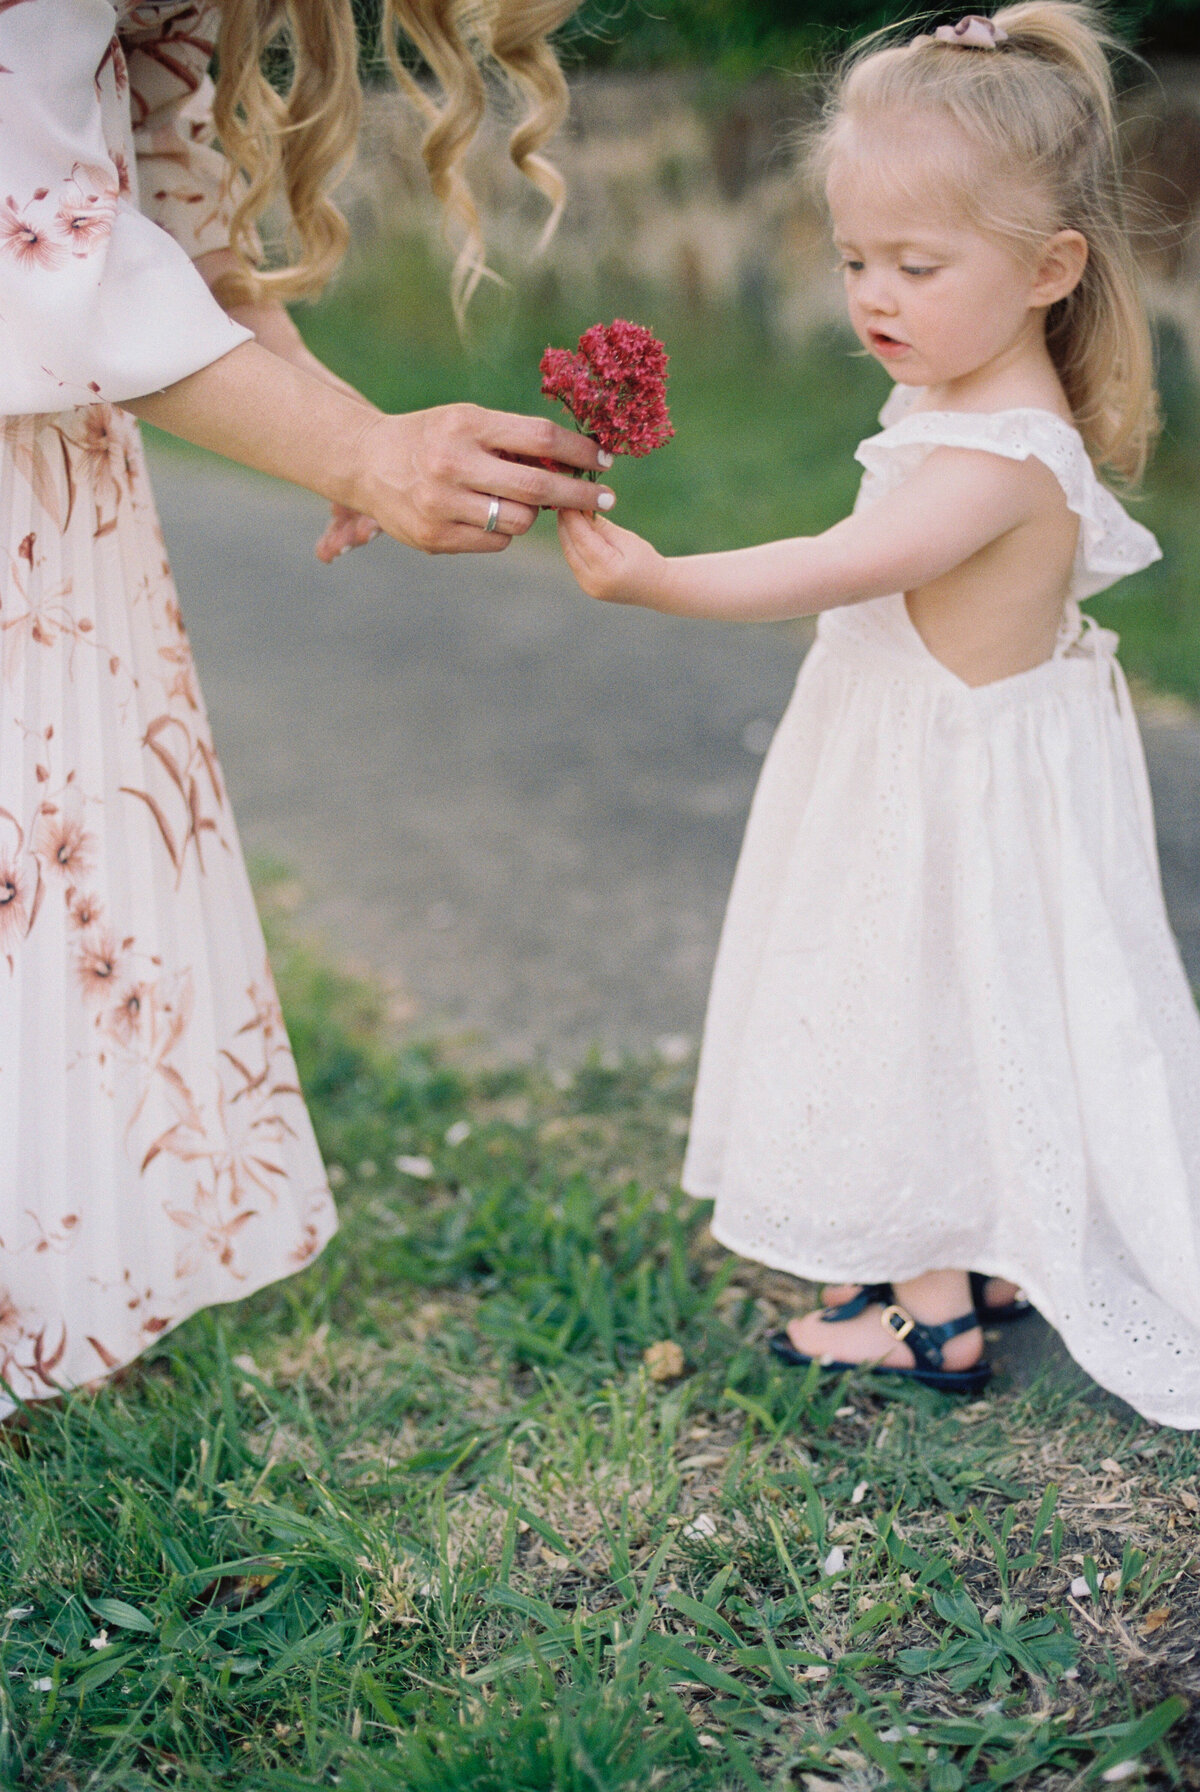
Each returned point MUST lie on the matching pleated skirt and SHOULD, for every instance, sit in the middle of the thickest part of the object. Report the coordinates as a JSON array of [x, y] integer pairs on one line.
[[156, 1155]]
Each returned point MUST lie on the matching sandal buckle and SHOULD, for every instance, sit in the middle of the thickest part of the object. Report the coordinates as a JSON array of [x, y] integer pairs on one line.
[[895, 1320]]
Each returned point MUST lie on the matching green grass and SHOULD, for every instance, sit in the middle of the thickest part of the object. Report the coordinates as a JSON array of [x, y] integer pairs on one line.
[[765, 437], [419, 1519]]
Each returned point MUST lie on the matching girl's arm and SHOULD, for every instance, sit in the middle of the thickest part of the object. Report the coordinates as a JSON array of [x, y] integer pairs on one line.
[[956, 502]]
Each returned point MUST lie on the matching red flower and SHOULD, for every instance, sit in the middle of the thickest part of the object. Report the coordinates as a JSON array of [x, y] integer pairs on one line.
[[615, 386]]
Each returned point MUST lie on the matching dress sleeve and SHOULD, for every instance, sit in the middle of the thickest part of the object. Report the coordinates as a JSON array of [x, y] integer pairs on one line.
[[1111, 543], [96, 301], [184, 184]]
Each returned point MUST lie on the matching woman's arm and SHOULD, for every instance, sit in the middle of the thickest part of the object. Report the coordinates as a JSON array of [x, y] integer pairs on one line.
[[956, 502], [272, 326], [427, 477]]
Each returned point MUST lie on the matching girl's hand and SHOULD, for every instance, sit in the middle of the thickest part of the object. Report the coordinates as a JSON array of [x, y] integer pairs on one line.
[[612, 564]]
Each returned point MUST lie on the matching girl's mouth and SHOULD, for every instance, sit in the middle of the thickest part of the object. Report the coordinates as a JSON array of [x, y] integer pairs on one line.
[[883, 344]]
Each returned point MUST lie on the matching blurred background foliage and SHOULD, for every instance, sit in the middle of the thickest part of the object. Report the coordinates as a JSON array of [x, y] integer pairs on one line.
[[738, 37]]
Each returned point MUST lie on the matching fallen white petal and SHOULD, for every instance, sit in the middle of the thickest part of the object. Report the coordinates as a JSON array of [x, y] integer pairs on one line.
[[835, 1561], [420, 1167], [860, 1493], [459, 1133], [1080, 1588], [703, 1525], [43, 1685], [1121, 1770], [98, 1642], [15, 1613]]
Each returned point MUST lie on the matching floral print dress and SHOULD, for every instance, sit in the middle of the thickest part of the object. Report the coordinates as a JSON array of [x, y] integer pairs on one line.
[[156, 1155]]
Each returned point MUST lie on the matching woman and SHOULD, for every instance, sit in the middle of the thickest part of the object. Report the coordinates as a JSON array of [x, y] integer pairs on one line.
[[155, 1153]]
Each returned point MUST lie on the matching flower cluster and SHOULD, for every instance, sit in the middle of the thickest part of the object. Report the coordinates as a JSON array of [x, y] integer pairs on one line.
[[615, 386]]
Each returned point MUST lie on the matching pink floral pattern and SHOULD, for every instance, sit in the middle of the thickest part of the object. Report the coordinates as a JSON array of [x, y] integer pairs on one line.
[[156, 1155]]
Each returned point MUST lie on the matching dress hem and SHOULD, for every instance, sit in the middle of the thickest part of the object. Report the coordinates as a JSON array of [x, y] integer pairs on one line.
[[96, 1383]]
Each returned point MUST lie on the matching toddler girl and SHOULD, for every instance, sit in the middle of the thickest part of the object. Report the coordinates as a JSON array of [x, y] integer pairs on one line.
[[949, 1029]]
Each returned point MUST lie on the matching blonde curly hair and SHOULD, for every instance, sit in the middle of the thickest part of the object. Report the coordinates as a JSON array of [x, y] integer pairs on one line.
[[298, 143]]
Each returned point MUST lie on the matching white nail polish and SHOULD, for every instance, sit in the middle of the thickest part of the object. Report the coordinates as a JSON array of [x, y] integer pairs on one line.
[[606, 500], [604, 457]]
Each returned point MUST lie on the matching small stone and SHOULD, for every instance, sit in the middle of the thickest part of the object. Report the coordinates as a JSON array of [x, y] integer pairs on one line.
[[1080, 1588], [664, 1361]]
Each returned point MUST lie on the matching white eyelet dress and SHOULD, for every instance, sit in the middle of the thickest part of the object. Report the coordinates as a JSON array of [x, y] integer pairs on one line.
[[949, 1026], [155, 1152]]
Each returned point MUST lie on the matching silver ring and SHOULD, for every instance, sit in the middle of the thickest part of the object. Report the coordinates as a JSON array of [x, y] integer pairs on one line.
[[493, 516]]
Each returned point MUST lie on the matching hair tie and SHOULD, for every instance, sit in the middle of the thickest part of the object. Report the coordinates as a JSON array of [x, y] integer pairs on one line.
[[971, 33]]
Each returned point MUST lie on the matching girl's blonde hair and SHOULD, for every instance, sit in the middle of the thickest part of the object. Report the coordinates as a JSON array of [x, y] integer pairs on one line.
[[299, 142], [1037, 115]]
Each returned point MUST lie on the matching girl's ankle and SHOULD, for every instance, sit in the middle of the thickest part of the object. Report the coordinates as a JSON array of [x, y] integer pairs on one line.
[[936, 1296]]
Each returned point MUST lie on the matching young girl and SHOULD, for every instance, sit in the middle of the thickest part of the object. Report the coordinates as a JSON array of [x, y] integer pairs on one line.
[[949, 1028], [155, 1151]]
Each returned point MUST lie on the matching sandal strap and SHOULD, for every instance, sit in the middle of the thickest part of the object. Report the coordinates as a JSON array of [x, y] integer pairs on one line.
[[925, 1341], [869, 1295]]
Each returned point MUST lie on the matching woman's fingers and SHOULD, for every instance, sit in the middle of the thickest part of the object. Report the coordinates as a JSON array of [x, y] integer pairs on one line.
[[495, 514], [537, 438], [526, 444], [535, 488], [346, 529]]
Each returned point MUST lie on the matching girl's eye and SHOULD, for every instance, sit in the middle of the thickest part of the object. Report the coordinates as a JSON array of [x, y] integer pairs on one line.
[[905, 270], [850, 267]]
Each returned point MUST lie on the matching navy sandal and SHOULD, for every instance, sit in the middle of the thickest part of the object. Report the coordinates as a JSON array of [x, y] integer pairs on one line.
[[925, 1342], [1005, 1314]]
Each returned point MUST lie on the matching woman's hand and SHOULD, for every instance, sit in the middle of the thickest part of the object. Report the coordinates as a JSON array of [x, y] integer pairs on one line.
[[612, 564], [430, 476]]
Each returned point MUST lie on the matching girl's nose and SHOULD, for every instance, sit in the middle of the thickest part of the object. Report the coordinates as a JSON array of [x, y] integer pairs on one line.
[[875, 293]]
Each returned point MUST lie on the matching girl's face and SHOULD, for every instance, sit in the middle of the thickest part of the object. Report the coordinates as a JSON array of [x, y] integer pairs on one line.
[[930, 296]]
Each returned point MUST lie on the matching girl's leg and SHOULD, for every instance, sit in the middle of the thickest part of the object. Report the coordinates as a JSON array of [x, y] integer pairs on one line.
[[997, 1292], [933, 1298]]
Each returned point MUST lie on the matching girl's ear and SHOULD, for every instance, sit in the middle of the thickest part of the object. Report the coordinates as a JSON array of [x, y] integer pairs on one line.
[[1059, 267]]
